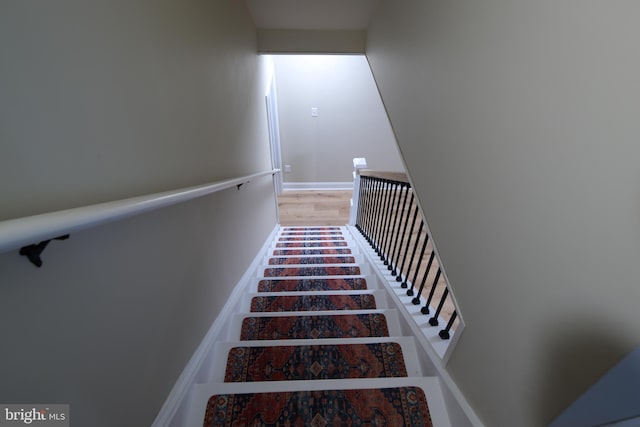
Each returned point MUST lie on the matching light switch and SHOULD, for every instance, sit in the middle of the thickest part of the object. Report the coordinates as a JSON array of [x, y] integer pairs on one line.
[[314, 111], [287, 168]]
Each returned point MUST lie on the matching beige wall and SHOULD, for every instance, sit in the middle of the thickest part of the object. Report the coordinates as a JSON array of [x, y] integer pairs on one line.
[[102, 100], [519, 125], [351, 119], [306, 41], [105, 100]]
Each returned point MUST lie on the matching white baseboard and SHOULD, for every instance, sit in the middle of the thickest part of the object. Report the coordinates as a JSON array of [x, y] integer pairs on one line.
[[317, 186], [180, 391]]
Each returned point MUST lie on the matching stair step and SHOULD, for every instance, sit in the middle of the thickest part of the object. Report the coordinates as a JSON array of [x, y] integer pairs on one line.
[[379, 296], [305, 238], [314, 302], [398, 401], [274, 284], [314, 326], [313, 260], [219, 359], [311, 244], [306, 270], [312, 251], [268, 326], [311, 228], [315, 362], [310, 233]]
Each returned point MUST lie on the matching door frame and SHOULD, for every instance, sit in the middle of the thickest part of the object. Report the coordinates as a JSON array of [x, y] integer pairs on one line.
[[274, 134]]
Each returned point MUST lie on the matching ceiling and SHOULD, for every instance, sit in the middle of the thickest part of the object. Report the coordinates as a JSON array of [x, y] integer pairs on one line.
[[312, 14]]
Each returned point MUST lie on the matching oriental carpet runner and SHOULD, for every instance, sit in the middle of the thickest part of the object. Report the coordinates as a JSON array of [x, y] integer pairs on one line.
[[310, 233], [310, 244], [312, 260], [315, 327], [315, 362], [327, 251], [394, 407], [313, 302], [294, 237], [307, 260], [311, 271], [288, 285]]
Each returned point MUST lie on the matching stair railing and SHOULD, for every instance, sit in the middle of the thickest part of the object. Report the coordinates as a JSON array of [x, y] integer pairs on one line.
[[43, 228], [387, 214]]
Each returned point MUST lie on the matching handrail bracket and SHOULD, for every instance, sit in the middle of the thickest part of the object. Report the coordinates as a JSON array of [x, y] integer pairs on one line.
[[33, 252]]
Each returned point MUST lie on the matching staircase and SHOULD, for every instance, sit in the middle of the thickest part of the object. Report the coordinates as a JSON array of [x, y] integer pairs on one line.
[[314, 341]]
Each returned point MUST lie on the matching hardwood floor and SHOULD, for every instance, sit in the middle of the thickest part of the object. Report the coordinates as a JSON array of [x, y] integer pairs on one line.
[[314, 207]]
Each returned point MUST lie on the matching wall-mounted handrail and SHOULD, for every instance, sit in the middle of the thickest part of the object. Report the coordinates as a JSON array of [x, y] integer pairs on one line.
[[15, 233]]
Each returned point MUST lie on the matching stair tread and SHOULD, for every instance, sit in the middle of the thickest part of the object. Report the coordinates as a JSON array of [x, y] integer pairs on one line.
[[304, 325], [234, 331], [315, 361], [327, 283], [307, 271], [220, 356], [377, 292], [312, 244], [314, 302], [314, 260], [312, 251], [202, 393]]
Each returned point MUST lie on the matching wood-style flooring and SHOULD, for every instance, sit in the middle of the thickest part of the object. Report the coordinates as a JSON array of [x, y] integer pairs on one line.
[[314, 207]]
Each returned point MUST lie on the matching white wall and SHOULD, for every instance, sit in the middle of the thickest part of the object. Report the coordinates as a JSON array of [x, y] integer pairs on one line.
[[351, 119], [519, 125], [106, 100]]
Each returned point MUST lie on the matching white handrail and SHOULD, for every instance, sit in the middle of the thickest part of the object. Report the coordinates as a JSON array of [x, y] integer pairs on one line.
[[18, 232]]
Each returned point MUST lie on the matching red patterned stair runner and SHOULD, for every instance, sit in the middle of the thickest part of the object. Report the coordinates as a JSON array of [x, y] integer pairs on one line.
[[312, 251], [310, 244], [310, 233], [315, 362], [310, 238], [311, 271], [314, 327], [312, 303], [398, 406], [312, 284], [312, 260]]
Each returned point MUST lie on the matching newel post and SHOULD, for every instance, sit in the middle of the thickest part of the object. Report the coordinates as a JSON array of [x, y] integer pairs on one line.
[[358, 163]]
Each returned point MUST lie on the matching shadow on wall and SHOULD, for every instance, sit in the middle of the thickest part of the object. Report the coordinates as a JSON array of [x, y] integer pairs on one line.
[[578, 355]]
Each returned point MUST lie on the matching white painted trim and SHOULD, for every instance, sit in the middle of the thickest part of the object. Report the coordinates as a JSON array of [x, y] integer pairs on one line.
[[318, 186], [438, 362], [187, 379], [358, 163], [21, 231], [273, 121]]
